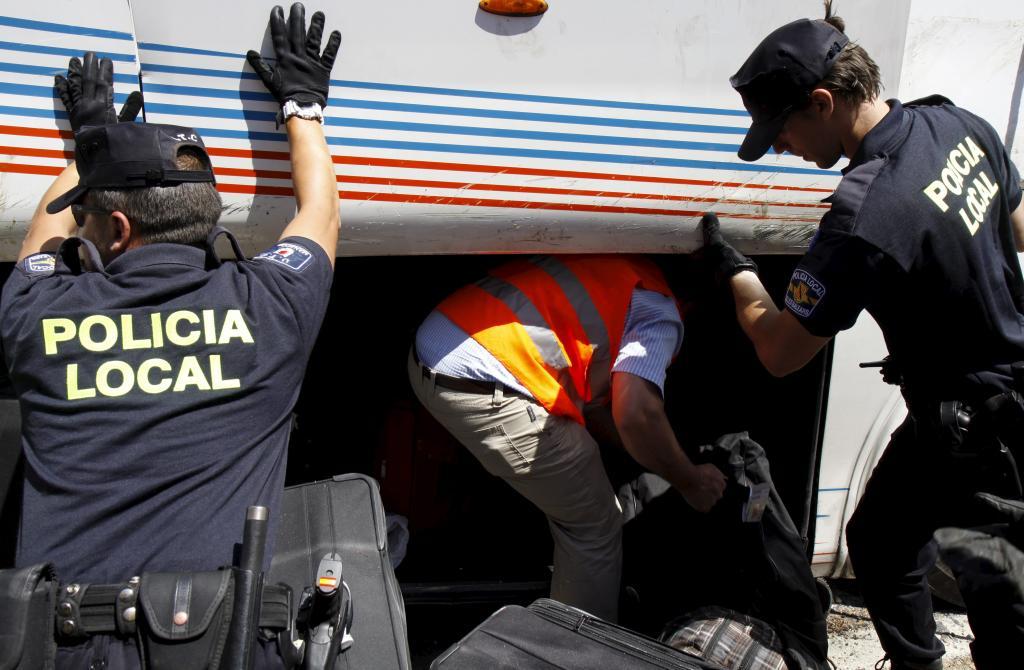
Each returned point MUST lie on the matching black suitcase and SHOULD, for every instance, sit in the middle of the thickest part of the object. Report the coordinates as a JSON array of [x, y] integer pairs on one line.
[[549, 635], [344, 515]]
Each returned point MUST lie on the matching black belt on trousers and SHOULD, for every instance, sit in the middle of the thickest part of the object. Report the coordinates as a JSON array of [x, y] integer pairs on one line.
[[463, 385], [100, 608]]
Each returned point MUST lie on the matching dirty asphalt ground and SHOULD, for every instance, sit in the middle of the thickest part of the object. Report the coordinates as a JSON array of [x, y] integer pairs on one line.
[[853, 645]]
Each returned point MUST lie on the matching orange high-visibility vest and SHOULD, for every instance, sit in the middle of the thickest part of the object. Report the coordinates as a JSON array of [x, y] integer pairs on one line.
[[555, 322]]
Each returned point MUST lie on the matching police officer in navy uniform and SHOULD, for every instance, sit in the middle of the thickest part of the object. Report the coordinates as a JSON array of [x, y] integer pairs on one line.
[[156, 382], [922, 233]]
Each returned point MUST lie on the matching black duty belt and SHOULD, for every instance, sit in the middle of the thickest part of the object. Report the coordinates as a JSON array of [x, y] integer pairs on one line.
[[111, 609]]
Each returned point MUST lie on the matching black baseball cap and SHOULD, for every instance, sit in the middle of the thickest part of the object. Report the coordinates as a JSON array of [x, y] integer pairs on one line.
[[779, 76], [131, 155]]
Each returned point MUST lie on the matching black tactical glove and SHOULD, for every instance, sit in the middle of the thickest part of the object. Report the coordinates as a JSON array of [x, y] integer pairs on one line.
[[301, 73], [1005, 511], [719, 256], [88, 93], [989, 570]]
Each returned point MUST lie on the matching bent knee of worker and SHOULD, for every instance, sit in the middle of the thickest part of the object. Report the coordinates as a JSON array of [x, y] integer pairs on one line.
[[598, 523]]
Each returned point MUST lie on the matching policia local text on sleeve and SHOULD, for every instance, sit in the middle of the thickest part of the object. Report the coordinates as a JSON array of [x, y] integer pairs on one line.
[[923, 233], [157, 382]]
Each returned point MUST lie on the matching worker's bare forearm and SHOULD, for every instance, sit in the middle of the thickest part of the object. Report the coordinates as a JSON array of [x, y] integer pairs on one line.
[[316, 190], [650, 440], [647, 435], [46, 231]]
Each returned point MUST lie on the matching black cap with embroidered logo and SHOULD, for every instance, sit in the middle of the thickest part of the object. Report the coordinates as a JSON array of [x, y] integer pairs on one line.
[[779, 76], [131, 155]]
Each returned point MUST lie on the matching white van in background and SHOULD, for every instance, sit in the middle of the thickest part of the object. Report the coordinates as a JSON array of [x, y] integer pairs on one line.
[[598, 126]]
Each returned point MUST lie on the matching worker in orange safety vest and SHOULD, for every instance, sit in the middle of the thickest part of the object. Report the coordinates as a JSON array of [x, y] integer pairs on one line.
[[509, 364]]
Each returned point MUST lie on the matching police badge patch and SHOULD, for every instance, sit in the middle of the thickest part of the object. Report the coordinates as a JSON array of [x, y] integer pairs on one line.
[[804, 293], [39, 264], [289, 255]]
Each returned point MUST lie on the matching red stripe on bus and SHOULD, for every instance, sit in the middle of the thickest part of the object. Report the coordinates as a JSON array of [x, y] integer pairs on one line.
[[524, 204], [36, 132], [456, 167], [31, 169], [438, 200], [464, 186], [38, 153], [498, 169]]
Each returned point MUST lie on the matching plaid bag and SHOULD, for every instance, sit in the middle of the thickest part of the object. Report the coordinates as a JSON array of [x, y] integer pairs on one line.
[[726, 637]]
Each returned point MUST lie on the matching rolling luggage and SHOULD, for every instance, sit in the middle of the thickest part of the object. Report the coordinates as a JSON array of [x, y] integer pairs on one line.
[[344, 515], [548, 635]]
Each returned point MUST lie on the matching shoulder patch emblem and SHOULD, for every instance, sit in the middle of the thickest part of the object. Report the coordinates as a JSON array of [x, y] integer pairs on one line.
[[288, 254], [39, 264], [804, 293]]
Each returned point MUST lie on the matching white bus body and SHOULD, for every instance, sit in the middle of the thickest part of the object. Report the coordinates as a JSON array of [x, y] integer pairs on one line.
[[598, 127]]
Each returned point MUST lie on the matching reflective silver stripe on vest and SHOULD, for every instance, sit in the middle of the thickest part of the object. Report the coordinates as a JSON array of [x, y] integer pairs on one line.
[[599, 372], [586, 310], [533, 323]]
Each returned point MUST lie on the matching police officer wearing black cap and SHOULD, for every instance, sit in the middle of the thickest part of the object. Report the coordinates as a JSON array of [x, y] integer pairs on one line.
[[923, 233], [157, 382]]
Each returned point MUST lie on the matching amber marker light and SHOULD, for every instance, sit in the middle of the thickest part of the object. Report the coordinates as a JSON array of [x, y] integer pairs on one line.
[[514, 7]]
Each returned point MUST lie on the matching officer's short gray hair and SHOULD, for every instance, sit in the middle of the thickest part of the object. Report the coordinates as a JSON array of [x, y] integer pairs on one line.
[[854, 76], [182, 214]]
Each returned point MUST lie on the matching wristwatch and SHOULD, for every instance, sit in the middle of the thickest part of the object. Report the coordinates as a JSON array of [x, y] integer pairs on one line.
[[311, 112]]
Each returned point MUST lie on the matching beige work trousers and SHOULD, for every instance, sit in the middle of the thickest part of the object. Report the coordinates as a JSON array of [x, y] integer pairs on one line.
[[554, 463]]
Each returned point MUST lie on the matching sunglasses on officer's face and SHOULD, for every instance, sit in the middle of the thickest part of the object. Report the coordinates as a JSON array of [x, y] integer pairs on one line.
[[79, 212]]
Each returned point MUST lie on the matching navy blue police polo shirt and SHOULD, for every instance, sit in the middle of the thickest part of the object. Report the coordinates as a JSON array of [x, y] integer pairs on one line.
[[156, 401], [919, 235]]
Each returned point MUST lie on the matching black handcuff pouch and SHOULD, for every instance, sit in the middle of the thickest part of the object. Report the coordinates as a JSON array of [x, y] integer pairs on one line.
[[184, 618], [27, 599]]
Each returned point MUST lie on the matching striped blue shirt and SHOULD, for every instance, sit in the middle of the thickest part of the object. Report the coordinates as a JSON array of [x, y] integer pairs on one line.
[[652, 337]]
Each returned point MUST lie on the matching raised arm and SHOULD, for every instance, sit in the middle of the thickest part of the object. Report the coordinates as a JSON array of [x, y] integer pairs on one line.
[[88, 95], [46, 231], [1017, 219], [782, 343], [299, 81]]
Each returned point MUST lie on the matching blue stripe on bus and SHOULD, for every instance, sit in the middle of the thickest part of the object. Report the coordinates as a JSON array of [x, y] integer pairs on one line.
[[60, 51], [523, 97], [532, 135], [171, 48], [28, 111], [491, 95], [63, 28], [522, 153], [255, 115], [41, 91], [51, 71], [199, 72], [345, 122], [225, 94], [210, 112], [455, 111], [472, 150]]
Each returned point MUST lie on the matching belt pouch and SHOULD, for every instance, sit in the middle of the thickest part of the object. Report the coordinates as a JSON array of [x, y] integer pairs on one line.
[[186, 616], [27, 601]]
